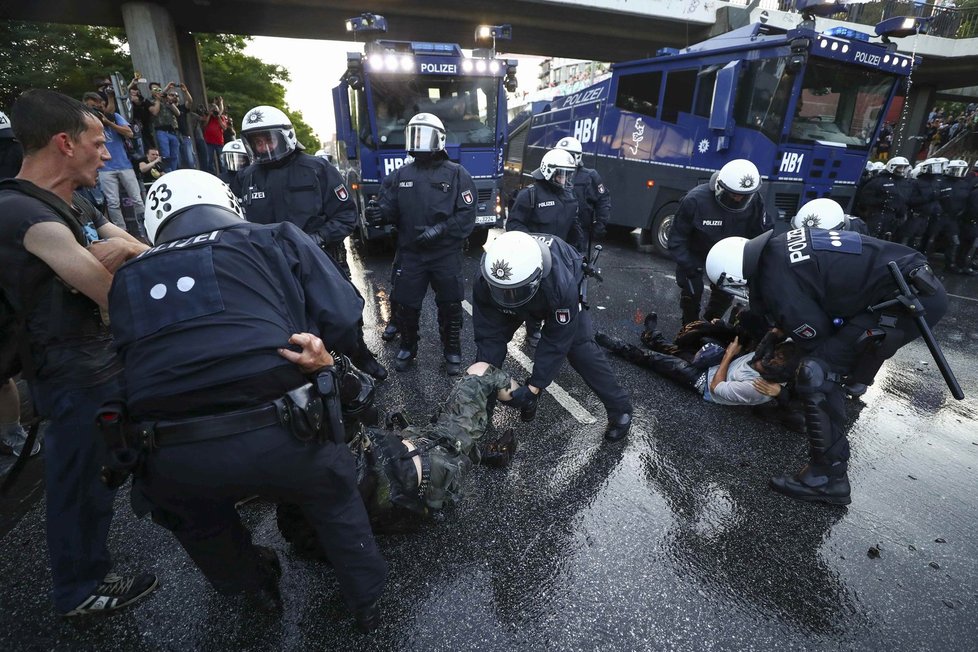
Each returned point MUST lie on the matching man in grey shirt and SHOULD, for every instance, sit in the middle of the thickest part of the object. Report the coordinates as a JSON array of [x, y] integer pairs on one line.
[[748, 379]]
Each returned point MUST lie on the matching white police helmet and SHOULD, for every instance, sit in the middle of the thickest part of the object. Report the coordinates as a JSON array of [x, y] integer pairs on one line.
[[6, 127], [558, 167], [725, 265], [268, 134], [878, 167], [571, 145], [821, 213], [932, 166], [425, 133], [235, 155], [868, 167], [737, 183], [956, 168], [898, 166], [513, 266], [181, 190]]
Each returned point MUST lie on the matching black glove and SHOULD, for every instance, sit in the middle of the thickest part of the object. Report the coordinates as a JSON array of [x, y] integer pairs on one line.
[[690, 280], [431, 235], [374, 213], [599, 231], [525, 401]]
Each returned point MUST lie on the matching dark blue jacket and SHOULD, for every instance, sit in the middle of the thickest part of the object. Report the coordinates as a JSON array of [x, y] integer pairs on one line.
[[545, 208], [593, 198]]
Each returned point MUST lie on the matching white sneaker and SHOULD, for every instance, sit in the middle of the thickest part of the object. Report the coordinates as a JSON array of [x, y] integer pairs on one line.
[[115, 592]]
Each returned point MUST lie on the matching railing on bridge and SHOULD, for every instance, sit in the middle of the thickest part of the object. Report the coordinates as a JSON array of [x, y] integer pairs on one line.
[[947, 21]]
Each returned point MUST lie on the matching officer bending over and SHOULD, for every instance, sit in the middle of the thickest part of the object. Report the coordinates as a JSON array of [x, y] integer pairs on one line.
[[228, 381], [708, 213], [526, 277], [803, 280], [284, 184], [431, 201], [826, 214]]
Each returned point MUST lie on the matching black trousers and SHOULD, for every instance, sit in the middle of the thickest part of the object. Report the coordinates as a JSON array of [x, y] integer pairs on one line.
[[193, 488], [414, 274]]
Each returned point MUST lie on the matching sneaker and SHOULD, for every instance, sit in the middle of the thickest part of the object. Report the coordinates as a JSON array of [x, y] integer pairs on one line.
[[115, 592]]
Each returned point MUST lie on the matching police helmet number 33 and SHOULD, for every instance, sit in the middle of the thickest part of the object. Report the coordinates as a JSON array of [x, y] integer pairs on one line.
[[161, 194]]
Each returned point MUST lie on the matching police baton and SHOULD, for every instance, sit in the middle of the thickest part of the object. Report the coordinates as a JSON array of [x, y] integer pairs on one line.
[[907, 299], [590, 270]]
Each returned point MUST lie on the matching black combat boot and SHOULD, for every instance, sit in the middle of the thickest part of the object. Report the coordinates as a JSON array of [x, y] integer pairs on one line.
[[390, 332], [407, 323], [690, 307], [367, 363], [618, 426], [450, 318]]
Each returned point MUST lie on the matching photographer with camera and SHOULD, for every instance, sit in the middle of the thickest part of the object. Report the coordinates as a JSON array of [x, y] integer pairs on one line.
[[118, 172], [165, 112], [214, 124]]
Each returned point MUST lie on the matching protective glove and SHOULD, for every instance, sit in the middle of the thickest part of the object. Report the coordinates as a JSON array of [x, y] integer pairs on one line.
[[373, 212], [431, 235], [599, 231], [525, 401]]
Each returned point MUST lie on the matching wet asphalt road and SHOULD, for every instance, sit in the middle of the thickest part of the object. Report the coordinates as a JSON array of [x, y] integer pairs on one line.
[[667, 541]]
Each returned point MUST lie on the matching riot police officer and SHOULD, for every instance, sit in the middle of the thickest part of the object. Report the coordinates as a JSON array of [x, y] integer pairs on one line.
[[924, 203], [806, 281], [707, 214], [431, 200], [204, 322], [953, 194], [284, 184], [883, 199], [593, 198], [539, 277], [235, 158], [549, 205]]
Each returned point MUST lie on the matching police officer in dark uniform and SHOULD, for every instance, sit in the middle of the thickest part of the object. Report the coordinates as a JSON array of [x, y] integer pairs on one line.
[[924, 203], [549, 206], [807, 281], [707, 214], [204, 322], [539, 277], [431, 200], [284, 184], [953, 195], [969, 230], [883, 199], [593, 198]]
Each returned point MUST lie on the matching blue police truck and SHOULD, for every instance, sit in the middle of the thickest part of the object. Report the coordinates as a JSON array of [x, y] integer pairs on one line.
[[804, 106], [394, 80]]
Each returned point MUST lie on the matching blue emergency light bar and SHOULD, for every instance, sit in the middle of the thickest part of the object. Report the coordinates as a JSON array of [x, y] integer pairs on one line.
[[900, 26], [819, 7], [663, 52], [366, 22], [845, 32]]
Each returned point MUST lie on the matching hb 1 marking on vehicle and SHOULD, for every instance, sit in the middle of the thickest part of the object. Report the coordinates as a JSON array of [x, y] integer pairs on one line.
[[791, 162]]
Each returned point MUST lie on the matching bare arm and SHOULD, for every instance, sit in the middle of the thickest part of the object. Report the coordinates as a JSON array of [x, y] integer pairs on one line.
[[733, 350], [123, 130], [56, 246], [313, 356], [188, 99]]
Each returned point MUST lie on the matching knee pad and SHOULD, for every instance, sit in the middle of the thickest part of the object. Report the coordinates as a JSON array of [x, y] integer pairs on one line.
[[814, 377]]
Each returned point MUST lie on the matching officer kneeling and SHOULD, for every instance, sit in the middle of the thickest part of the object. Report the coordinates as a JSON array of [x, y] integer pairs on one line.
[[808, 282], [539, 277], [224, 408]]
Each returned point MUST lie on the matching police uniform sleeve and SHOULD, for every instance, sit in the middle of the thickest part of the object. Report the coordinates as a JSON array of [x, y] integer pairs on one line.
[[493, 328], [339, 207], [760, 221], [520, 213], [798, 314], [387, 199], [462, 222], [680, 233], [601, 200], [333, 305]]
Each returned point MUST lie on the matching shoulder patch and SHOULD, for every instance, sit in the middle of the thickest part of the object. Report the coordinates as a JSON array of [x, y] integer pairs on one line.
[[846, 242], [562, 315], [467, 196], [341, 192], [805, 332], [601, 189]]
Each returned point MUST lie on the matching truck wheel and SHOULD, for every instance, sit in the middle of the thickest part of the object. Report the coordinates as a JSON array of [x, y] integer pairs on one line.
[[657, 237], [478, 238]]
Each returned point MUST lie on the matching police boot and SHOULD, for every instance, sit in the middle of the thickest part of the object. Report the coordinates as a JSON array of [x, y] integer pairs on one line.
[[407, 324], [390, 331], [814, 483], [367, 363], [951, 259], [618, 426], [450, 316], [690, 307]]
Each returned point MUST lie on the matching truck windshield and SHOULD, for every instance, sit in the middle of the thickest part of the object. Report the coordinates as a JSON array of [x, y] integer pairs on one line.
[[467, 108], [839, 104]]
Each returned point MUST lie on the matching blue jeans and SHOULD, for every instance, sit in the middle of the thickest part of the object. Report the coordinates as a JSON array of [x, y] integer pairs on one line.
[[79, 506], [169, 144], [214, 157], [188, 158]]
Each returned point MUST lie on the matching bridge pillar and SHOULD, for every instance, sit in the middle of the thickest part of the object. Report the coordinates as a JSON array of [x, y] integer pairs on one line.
[[906, 143], [159, 51]]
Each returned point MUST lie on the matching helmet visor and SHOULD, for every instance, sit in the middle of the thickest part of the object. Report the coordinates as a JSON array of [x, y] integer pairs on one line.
[[266, 145], [955, 171], [514, 297], [733, 201], [899, 170], [234, 162], [423, 138], [563, 177]]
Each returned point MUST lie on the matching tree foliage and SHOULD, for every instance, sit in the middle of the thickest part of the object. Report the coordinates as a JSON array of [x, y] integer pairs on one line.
[[66, 58]]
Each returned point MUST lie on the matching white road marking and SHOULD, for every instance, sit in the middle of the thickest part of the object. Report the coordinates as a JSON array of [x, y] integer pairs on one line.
[[958, 296], [559, 393]]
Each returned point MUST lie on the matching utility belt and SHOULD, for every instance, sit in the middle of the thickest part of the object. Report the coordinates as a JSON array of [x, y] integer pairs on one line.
[[311, 412]]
